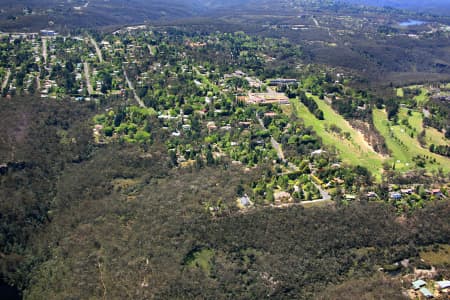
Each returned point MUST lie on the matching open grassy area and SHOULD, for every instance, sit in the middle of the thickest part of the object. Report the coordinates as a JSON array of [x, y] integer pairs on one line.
[[438, 256], [415, 119], [317, 204], [403, 146], [202, 259], [432, 135], [422, 97], [354, 150]]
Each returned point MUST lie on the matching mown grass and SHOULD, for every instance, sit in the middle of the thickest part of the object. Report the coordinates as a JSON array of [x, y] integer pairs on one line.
[[354, 150], [435, 137], [422, 97], [403, 147], [432, 135]]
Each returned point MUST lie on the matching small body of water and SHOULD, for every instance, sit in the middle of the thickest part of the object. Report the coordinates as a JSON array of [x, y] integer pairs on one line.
[[8, 292], [411, 23]]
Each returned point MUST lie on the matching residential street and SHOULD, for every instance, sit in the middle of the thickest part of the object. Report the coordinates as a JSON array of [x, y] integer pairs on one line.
[[130, 86]]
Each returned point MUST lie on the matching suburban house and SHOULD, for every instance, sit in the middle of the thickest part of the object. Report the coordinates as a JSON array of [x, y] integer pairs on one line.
[[282, 196], [426, 293], [407, 191], [317, 152], [244, 202], [396, 195], [436, 192], [350, 197], [418, 284], [372, 194], [211, 126], [270, 114], [444, 286]]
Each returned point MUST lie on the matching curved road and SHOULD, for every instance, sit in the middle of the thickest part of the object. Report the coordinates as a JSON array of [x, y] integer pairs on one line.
[[44, 49], [325, 196], [6, 79], [97, 49]]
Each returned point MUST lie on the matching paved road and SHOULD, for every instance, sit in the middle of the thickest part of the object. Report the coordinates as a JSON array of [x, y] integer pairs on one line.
[[316, 22], [150, 50], [277, 147], [44, 49], [97, 49], [131, 87], [274, 143], [87, 75], [38, 80], [5, 81], [325, 196]]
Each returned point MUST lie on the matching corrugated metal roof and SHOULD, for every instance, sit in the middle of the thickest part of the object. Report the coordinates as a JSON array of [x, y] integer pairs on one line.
[[426, 292], [444, 284], [418, 283]]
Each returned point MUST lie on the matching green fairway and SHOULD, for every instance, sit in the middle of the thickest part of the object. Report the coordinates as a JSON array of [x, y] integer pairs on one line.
[[354, 150], [421, 98], [403, 146], [432, 135]]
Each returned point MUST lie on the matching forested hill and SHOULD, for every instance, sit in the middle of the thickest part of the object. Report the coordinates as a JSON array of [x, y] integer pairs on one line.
[[63, 15], [33, 15], [430, 6]]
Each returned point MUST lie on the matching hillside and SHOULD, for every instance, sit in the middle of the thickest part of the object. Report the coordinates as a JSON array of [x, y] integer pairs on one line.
[[430, 6]]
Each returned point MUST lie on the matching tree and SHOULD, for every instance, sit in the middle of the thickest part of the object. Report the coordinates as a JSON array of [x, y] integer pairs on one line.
[[108, 131], [319, 114], [239, 190], [421, 138], [209, 158], [188, 109], [392, 108], [269, 195], [173, 158], [198, 162]]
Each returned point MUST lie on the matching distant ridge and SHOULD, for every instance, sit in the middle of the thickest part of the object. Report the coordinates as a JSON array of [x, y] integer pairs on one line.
[[31, 15], [441, 7]]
